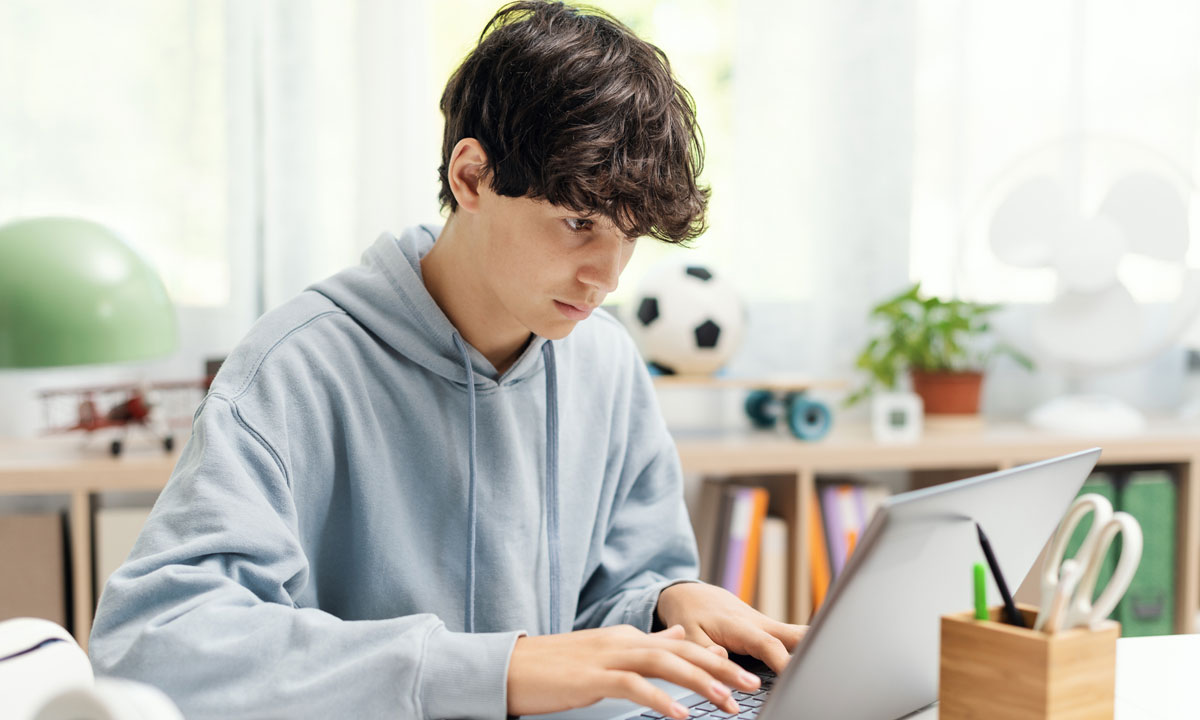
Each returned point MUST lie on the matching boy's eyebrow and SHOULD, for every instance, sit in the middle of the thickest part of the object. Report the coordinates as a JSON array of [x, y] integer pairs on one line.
[[595, 216]]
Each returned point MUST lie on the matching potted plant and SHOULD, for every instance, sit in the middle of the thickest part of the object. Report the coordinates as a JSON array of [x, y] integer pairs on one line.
[[943, 344]]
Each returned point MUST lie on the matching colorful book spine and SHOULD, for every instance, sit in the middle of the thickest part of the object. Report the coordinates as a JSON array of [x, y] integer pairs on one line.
[[835, 531], [857, 507], [773, 570], [720, 548], [818, 554], [741, 512], [850, 511], [748, 586], [1148, 607], [706, 519], [844, 508]]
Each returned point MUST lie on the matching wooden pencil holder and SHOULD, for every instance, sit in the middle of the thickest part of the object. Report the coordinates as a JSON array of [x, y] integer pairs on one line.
[[994, 671]]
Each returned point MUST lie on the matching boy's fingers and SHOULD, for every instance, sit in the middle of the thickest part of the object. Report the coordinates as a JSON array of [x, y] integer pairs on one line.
[[631, 686], [701, 638], [718, 651], [770, 649], [788, 634], [678, 669], [675, 631], [716, 665]]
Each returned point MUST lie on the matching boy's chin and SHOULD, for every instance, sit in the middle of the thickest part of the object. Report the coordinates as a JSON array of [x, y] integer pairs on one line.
[[555, 330]]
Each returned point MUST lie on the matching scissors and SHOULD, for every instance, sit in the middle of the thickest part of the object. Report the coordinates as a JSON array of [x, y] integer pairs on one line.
[[1067, 587]]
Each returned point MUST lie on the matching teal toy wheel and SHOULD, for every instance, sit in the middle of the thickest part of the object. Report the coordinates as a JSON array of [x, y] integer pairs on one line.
[[762, 408], [807, 419]]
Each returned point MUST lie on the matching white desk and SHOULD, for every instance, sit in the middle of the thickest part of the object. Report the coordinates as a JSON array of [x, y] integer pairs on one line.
[[1158, 678]]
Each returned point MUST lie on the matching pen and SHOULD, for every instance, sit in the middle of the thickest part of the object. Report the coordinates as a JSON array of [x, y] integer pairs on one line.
[[981, 611], [1010, 610]]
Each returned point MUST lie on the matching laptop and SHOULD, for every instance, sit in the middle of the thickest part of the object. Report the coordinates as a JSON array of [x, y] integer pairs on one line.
[[871, 652]]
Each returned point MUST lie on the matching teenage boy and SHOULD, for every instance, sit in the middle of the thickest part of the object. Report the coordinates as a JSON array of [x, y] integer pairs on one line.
[[438, 484]]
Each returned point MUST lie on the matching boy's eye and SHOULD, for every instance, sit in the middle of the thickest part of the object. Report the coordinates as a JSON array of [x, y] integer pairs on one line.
[[579, 224]]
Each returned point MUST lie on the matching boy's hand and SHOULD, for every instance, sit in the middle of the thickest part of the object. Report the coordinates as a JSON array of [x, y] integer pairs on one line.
[[718, 620], [559, 672]]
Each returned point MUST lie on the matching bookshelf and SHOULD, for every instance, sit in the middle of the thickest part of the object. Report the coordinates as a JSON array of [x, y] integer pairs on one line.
[[62, 467], [792, 468]]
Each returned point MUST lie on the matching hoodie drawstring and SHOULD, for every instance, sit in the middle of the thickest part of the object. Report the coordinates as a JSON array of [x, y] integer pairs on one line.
[[469, 620], [551, 484], [552, 480]]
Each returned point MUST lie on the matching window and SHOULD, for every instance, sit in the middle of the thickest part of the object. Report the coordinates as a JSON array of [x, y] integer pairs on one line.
[[1004, 90], [116, 111]]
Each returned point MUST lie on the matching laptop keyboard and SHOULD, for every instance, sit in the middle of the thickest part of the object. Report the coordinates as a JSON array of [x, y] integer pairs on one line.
[[750, 702]]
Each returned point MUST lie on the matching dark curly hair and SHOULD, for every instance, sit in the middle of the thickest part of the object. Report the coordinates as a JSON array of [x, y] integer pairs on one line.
[[573, 108]]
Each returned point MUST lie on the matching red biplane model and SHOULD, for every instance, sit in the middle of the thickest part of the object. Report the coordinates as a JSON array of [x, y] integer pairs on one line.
[[155, 407]]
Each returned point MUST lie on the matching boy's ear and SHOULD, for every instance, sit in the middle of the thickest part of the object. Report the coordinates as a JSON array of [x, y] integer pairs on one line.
[[468, 164]]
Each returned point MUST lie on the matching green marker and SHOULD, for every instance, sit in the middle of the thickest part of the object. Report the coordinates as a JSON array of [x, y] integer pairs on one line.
[[981, 609]]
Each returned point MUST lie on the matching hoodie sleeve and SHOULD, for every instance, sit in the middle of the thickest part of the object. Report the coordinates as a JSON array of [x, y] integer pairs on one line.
[[649, 544], [203, 608]]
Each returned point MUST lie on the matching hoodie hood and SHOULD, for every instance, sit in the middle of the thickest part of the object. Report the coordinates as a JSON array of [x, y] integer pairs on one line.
[[390, 275], [392, 269]]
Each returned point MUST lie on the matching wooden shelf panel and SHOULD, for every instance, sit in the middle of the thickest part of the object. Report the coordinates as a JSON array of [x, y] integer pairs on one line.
[[999, 446], [851, 448], [62, 466]]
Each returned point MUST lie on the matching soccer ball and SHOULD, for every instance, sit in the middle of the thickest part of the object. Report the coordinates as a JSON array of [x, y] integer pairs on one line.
[[685, 319]]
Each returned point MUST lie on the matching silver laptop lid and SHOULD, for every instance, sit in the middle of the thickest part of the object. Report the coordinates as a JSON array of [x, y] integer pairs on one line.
[[872, 650]]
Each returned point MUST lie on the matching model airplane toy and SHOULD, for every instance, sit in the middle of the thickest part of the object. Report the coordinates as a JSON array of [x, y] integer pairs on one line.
[[156, 408]]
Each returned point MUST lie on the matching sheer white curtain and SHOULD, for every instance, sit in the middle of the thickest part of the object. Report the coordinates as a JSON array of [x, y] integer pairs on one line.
[[867, 130], [248, 148], [824, 111], [132, 113], [810, 211], [349, 141], [846, 140], [822, 134], [999, 82]]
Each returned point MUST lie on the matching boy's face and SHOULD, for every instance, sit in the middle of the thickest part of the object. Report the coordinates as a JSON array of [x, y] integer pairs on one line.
[[545, 266]]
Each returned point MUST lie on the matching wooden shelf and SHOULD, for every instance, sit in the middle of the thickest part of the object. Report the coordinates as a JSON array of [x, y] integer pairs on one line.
[[850, 448], [63, 466]]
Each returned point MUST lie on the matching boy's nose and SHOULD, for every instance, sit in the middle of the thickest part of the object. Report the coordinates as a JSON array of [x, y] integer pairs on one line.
[[603, 270]]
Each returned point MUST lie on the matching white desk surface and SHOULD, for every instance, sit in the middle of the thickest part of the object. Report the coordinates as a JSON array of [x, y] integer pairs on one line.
[[1158, 678]]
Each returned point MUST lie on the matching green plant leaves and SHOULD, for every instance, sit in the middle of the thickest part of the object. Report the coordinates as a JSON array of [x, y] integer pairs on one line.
[[930, 334]]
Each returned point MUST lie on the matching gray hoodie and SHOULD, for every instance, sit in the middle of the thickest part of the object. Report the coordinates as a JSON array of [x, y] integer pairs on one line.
[[366, 517]]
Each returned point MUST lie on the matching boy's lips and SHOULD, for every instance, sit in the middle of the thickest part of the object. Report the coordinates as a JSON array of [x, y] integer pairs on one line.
[[574, 312]]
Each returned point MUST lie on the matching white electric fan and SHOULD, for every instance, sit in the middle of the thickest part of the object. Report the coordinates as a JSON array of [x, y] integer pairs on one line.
[[1098, 214]]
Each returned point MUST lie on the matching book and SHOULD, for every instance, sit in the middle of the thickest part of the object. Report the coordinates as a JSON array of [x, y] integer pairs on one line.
[[748, 588], [844, 508], [720, 538], [773, 569], [835, 533], [1148, 607], [818, 554], [747, 507], [706, 521], [858, 512], [116, 531]]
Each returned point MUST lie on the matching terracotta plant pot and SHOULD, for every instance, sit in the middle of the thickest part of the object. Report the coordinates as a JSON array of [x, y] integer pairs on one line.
[[948, 393]]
